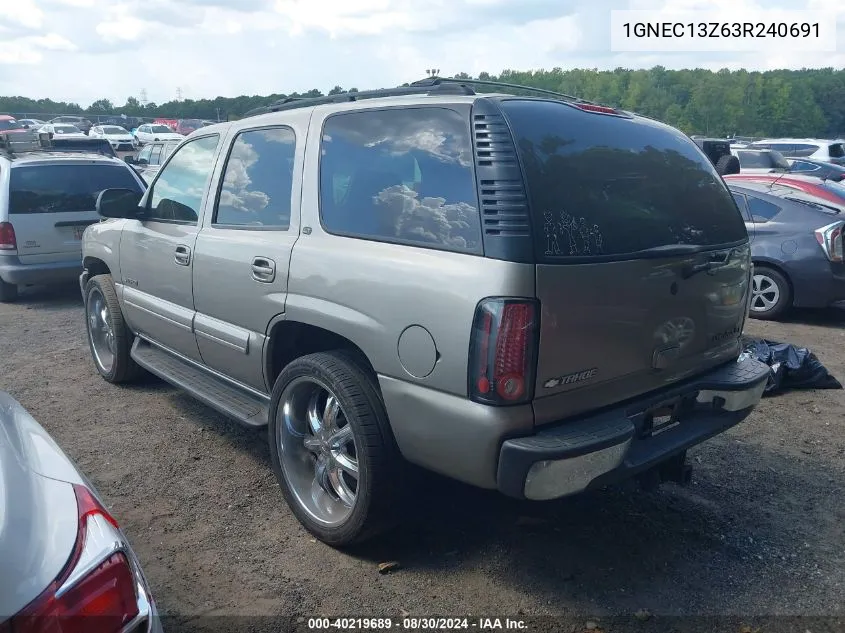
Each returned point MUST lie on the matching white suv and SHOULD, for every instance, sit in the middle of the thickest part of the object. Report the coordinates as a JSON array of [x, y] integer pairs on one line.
[[830, 151], [47, 199]]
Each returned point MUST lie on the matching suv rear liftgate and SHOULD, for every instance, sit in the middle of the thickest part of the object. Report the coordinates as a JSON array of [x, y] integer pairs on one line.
[[642, 276]]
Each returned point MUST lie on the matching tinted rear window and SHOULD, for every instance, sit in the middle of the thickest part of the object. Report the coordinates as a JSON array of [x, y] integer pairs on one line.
[[836, 150], [604, 185], [63, 188]]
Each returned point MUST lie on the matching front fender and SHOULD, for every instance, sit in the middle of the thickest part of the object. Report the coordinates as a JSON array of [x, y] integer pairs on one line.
[[101, 243]]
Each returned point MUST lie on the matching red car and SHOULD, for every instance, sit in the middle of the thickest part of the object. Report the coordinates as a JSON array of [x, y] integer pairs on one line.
[[9, 124], [186, 126], [833, 192]]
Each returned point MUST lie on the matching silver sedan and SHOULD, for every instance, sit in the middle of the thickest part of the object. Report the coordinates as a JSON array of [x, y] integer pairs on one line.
[[66, 563]]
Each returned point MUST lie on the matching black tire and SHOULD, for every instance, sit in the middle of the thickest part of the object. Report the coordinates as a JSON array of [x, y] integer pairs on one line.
[[727, 164], [381, 468], [784, 293], [123, 369], [8, 292]]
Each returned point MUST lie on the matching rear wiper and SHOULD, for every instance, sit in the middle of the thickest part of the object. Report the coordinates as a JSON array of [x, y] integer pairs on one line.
[[667, 250]]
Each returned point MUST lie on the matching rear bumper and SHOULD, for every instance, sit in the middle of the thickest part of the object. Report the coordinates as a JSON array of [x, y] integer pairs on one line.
[[621, 442], [12, 271]]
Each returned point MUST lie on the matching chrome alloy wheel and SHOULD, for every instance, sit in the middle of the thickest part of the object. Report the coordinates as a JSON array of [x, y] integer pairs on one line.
[[765, 293], [317, 450], [100, 330]]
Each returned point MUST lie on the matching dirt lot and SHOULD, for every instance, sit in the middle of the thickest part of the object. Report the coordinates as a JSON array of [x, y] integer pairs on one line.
[[760, 530]]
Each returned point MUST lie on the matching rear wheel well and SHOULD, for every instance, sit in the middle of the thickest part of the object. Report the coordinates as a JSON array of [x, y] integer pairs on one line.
[[95, 266], [291, 339]]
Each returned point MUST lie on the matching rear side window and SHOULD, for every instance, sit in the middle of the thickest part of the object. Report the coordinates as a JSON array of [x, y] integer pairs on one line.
[[609, 186], [155, 157], [742, 204], [63, 188], [836, 150], [258, 180], [400, 175], [761, 210], [800, 165]]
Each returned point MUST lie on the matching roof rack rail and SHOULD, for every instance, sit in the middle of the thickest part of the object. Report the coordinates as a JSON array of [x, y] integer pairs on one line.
[[440, 81], [290, 103], [23, 141], [429, 85]]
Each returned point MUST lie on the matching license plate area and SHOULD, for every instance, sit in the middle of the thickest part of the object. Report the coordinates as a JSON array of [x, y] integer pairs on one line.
[[664, 416]]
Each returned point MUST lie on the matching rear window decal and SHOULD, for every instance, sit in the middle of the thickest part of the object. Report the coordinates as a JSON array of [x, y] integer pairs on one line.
[[576, 235]]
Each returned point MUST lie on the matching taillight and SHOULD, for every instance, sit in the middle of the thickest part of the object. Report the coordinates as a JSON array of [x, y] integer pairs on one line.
[[503, 351], [830, 239], [8, 241], [96, 590]]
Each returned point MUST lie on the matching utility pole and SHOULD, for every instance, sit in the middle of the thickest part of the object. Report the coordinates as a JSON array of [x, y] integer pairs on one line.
[[178, 94]]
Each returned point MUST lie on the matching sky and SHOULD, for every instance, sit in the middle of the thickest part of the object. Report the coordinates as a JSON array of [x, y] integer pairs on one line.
[[82, 50]]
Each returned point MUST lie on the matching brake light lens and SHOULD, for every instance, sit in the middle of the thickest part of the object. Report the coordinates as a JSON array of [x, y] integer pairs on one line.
[[600, 109], [8, 241], [95, 592], [830, 239], [503, 351]]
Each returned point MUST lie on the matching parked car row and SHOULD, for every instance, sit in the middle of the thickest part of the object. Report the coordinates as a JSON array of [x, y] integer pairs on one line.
[[66, 564]]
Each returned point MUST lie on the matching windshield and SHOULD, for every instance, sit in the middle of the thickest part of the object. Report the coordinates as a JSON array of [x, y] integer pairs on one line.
[[55, 188], [113, 129], [159, 129], [607, 185], [10, 125], [66, 129]]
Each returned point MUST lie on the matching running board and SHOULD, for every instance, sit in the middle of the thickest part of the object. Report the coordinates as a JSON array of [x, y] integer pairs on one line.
[[237, 403]]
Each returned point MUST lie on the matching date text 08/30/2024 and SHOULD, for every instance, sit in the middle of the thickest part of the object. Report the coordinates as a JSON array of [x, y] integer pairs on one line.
[[416, 624]]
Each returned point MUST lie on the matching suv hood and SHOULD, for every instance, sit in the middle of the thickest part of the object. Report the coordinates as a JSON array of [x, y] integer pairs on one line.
[[38, 518]]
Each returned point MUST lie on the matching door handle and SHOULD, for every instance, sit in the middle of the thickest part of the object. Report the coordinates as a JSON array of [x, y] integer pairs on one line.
[[183, 255], [263, 269]]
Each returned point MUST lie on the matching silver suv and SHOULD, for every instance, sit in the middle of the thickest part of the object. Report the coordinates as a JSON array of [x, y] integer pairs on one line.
[[47, 198], [535, 295]]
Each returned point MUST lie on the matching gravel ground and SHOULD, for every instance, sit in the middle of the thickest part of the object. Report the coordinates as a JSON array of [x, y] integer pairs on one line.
[[759, 531]]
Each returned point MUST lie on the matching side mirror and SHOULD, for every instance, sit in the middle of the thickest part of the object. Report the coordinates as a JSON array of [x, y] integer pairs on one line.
[[129, 160], [142, 161], [26, 126], [118, 203]]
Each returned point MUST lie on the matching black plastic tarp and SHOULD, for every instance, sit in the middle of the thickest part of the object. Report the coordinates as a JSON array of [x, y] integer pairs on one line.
[[791, 367]]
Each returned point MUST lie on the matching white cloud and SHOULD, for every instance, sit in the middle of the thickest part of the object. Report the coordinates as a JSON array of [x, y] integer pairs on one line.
[[30, 50], [23, 12], [208, 48]]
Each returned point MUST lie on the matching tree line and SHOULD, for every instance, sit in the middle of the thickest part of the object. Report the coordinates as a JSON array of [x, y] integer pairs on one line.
[[806, 102]]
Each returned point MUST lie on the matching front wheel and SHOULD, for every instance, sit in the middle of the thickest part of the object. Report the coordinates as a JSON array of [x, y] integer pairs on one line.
[[332, 450], [771, 294], [108, 336]]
